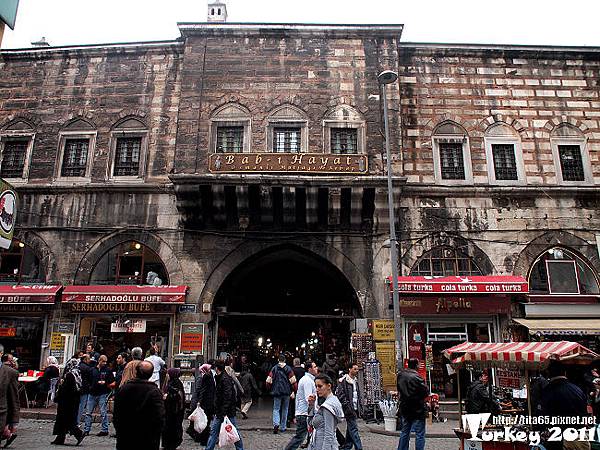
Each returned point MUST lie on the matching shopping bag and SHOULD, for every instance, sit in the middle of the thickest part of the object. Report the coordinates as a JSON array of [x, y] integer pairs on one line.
[[199, 418], [228, 434]]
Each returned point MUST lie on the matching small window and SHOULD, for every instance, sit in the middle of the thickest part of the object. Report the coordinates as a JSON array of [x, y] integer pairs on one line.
[[14, 156], [230, 139], [75, 158], [344, 141], [444, 262], [19, 264], [127, 156], [451, 161], [505, 163], [287, 140], [571, 163]]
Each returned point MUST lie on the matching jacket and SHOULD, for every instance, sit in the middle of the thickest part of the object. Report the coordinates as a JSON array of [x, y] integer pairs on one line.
[[206, 396], [139, 415], [324, 422], [276, 380], [86, 377], [412, 391], [9, 396], [249, 385], [563, 398], [104, 374], [345, 393], [478, 399], [225, 396]]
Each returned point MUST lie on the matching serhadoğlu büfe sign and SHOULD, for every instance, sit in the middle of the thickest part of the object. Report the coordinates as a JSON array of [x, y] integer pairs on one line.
[[124, 294]]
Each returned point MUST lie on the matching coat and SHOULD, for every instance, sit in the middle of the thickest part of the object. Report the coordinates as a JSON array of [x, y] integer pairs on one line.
[[412, 391], [225, 396], [174, 409], [562, 398], [206, 397], [324, 423], [9, 396], [478, 399], [345, 393], [67, 398], [139, 415], [249, 386]]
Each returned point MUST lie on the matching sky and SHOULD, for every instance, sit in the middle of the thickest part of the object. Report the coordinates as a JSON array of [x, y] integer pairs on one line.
[[532, 22]]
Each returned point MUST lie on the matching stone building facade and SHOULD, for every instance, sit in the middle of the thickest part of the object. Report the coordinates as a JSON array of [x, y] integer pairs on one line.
[[495, 159]]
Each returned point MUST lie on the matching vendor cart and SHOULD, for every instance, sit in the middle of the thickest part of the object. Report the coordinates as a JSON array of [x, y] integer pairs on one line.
[[525, 356]]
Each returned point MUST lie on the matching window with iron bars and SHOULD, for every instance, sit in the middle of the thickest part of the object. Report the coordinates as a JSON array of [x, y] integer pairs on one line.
[[571, 164], [344, 141], [445, 261], [286, 140], [452, 162], [505, 164], [230, 139], [75, 157], [13, 158], [127, 156]]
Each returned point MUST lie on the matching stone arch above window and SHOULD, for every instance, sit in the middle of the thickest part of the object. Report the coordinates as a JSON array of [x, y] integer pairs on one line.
[[287, 112], [501, 129], [559, 270], [449, 128], [130, 123], [344, 113], [445, 261], [79, 125], [20, 125], [565, 130], [231, 111]]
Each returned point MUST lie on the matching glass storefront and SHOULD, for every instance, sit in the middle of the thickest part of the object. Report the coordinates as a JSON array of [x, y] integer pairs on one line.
[[22, 336]]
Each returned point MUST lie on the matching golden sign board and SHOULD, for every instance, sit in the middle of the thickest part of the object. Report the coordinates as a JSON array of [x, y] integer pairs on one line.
[[386, 354], [383, 330], [287, 162]]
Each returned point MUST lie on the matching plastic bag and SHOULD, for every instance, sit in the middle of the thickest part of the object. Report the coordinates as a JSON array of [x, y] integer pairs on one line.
[[199, 418], [228, 434]]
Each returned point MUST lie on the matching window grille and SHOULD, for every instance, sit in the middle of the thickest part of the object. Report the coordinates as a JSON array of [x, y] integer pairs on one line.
[[286, 140], [230, 139], [344, 141], [505, 164], [75, 157], [127, 156], [571, 163], [13, 158], [452, 162]]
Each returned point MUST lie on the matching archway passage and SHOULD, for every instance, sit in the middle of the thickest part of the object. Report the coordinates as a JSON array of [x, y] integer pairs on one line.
[[285, 300]]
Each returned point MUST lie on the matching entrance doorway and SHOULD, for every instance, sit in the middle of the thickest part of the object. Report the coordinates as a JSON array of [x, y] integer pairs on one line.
[[288, 301]]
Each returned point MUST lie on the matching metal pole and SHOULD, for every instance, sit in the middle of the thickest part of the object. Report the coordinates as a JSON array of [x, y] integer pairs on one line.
[[393, 239]]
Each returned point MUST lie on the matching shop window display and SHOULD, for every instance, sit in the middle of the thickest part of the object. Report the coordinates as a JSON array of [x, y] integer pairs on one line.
[[560, 271], [19, 264], [130, 263]]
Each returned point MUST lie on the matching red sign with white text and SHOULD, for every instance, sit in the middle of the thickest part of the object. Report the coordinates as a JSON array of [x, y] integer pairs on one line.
[[28, 293], [462, 285], [124, 294]]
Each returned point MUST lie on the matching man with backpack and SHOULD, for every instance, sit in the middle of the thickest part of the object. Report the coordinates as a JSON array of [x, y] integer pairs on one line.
[[281, 381]]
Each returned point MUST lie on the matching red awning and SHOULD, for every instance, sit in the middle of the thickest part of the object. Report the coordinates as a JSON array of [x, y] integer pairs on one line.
[[28, 293], [500, 284], [124, 294], [526, 354]]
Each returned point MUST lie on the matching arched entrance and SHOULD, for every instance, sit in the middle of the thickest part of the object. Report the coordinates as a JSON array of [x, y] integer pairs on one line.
[[285, 299]]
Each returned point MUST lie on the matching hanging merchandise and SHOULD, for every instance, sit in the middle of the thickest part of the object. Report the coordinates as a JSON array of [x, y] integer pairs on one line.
[[362, 345], [373, 385]]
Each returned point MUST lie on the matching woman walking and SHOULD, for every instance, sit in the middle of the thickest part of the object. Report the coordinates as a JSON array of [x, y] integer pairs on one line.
[[67, 398], [174, 408], [327, 417]]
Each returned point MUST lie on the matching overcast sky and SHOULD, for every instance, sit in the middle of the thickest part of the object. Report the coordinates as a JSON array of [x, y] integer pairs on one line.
[[544, 22]]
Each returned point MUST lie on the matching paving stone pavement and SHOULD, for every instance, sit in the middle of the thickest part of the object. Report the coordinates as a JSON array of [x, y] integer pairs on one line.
[[36, 435]]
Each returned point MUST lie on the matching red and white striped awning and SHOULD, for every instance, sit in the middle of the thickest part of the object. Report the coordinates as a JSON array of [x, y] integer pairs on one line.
[[524, 354]]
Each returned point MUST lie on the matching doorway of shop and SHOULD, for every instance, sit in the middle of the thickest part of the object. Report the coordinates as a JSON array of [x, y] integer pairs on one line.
[[285, 300]]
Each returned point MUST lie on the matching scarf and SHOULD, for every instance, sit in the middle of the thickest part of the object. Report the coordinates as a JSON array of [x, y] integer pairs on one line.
[[72, 367]]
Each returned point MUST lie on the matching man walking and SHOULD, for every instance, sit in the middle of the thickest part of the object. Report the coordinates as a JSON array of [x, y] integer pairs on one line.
[[281, 380], [86, 380], [225, 403], [349, 395], [158, 364], [9, 400], [102, 377], [306, 391], [139, 415], [412, 391]]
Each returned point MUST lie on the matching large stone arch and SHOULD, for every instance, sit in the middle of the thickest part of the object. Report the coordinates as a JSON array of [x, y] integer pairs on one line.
[[415, 251], [42, 251], [537, 246], [103, 245], [246, 250]]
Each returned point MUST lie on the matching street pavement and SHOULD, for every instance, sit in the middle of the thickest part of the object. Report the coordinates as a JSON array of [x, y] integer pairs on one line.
[[37, 434]]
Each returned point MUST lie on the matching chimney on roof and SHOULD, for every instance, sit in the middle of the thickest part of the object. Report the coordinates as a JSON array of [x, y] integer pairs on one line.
[[217, 11], [41, 43]]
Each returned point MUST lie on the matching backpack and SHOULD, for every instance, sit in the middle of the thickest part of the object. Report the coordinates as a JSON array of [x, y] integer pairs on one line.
[[281, 382]]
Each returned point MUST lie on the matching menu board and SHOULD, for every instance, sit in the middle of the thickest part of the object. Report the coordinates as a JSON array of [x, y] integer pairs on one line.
[[191, 339]]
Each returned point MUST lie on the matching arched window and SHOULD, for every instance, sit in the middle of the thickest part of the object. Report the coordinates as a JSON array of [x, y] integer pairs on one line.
[[570, 155], [19, 264], [130, 263], [287, 130], [560, 271], [128, 147], [230, 129], [504, 155], [445, 262], [344, 131], [451, 155]]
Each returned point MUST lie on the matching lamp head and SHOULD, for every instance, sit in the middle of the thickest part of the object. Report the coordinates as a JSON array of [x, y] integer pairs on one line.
[[387, 77]]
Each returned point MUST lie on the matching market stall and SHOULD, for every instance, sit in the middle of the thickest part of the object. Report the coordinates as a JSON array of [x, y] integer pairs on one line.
[[523, 356]]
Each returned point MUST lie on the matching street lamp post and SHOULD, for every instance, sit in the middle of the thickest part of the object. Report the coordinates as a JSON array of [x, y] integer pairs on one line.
[[386, 77]]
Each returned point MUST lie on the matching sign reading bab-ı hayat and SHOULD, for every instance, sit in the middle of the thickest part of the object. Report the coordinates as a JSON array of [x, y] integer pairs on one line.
[[8, 213]]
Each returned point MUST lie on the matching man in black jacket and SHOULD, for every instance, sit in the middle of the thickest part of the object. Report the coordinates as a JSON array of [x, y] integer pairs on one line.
[[139, 415], [412, 391], [349, 395], [225, 404], [478, 399], [85, 368]]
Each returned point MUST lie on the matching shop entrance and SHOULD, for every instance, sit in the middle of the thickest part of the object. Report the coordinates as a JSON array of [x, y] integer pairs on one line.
[[285, 301]]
